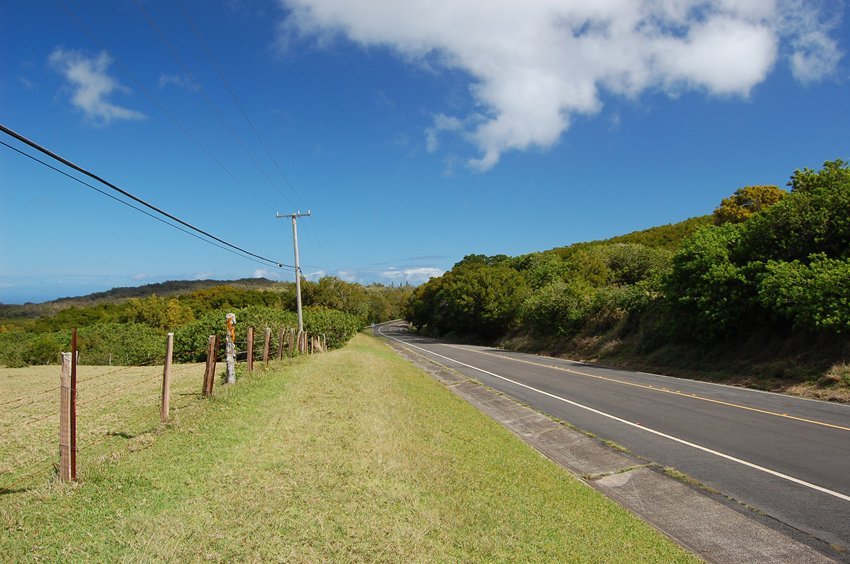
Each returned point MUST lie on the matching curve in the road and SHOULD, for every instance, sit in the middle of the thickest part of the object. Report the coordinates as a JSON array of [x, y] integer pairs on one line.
[[690, 444]]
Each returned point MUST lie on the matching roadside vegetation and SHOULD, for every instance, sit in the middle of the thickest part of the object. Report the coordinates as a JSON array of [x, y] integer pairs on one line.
[[116, 329], [758, 293], [348, 456]]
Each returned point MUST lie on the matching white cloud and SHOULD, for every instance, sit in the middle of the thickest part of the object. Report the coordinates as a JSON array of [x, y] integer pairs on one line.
[[535, 64], [347, 275], [91, 85], [203, 275], [139, 276], [266, 273], [411, 275]]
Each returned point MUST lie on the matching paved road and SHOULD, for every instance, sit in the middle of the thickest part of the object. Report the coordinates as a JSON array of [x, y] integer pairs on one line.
[[787, 457]]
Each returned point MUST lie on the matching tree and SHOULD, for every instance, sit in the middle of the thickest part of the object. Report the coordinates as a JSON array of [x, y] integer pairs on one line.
[[746, 202], [833, 173], [712, 295]]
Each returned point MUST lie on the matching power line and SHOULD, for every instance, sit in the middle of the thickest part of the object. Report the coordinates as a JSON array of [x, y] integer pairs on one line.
[[159, 105], [214, 61], [215, 64], [206, 98], [129, 205], [80, 169]]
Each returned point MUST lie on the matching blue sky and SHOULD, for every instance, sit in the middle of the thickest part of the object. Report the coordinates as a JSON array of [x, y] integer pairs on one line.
[[417, 132]]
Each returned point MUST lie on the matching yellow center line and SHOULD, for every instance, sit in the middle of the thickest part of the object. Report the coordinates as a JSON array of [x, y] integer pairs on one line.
[[658, 389]]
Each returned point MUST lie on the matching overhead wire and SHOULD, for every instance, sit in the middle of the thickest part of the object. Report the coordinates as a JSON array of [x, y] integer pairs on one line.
[[214, 61], [206, 98], [159, 105], [68, 163]]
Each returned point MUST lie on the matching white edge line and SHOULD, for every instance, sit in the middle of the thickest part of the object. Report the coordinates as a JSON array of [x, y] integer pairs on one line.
[[635, 425], [672, 378]]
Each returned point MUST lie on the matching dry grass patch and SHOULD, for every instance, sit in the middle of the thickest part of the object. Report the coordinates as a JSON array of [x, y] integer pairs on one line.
[[352, 455]]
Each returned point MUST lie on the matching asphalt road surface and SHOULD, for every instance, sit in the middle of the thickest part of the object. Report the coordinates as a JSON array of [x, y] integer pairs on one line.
[[786, 457]]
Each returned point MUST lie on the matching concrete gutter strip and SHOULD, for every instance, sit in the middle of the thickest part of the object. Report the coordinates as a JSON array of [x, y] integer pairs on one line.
[[712, 527]]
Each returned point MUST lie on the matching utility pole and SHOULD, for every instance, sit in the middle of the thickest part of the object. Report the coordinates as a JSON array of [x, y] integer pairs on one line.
[[294, 217]]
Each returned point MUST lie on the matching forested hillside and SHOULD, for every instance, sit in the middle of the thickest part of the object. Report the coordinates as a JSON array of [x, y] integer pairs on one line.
[[124, 330], [761, 285]]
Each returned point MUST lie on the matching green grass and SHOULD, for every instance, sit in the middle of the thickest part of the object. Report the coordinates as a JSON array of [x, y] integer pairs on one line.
[[350, 455]]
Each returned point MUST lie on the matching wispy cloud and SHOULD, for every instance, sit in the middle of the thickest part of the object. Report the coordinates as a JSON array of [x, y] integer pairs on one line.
[[175, 80], [91, 86], [537, 65]]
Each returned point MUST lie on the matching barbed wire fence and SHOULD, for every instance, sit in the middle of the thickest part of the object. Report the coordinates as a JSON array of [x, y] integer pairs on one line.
[[112, 405]]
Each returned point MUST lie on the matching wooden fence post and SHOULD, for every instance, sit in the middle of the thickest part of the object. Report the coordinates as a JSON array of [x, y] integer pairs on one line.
[[280, 345], [65, 419], [266, 346], [250, 358], [166, 379], [75, 357], [290, 350], [209, 375]]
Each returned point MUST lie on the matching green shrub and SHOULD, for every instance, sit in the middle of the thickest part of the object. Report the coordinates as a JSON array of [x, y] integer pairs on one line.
[[814, 296], [131, 344], [559, 308]]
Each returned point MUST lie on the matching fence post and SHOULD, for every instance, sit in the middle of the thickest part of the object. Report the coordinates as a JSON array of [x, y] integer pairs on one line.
[[290, 350], [250, 358], [209, 375], [65, 419], [166, 379], [266, 347], [230, 347], [280, 345], [75, 357]]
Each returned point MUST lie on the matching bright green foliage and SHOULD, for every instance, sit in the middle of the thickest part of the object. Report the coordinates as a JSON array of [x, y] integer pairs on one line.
[[337, 294], [541, 269], [588, 264], [337, 326], [229, 297], [815, 296], [77, 317], [120, 343], [814, 219], [785, 263], [191, 340], [669, 237], [630, 263], [746, 202], [474, 298], [833, 173], [159, 313], [711, 293], [559, 308]]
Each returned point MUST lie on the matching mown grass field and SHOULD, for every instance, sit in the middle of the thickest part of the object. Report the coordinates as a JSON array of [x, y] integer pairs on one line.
[[349, 455]]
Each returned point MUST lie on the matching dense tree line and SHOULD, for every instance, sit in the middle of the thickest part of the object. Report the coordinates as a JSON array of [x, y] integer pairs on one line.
[[131, 331], [767, 258]]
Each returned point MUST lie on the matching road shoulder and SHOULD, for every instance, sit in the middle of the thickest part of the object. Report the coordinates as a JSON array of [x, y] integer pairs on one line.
[[712, 526]]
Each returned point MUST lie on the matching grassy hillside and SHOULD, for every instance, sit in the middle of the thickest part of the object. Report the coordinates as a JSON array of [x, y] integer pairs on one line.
[[348, 456], [756, 293], [669, 237]]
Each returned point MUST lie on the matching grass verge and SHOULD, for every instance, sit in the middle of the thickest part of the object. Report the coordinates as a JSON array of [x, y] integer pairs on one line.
[[350, 455]]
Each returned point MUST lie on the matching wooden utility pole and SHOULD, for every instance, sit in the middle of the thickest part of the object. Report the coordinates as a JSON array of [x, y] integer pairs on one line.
[[294, 217]]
